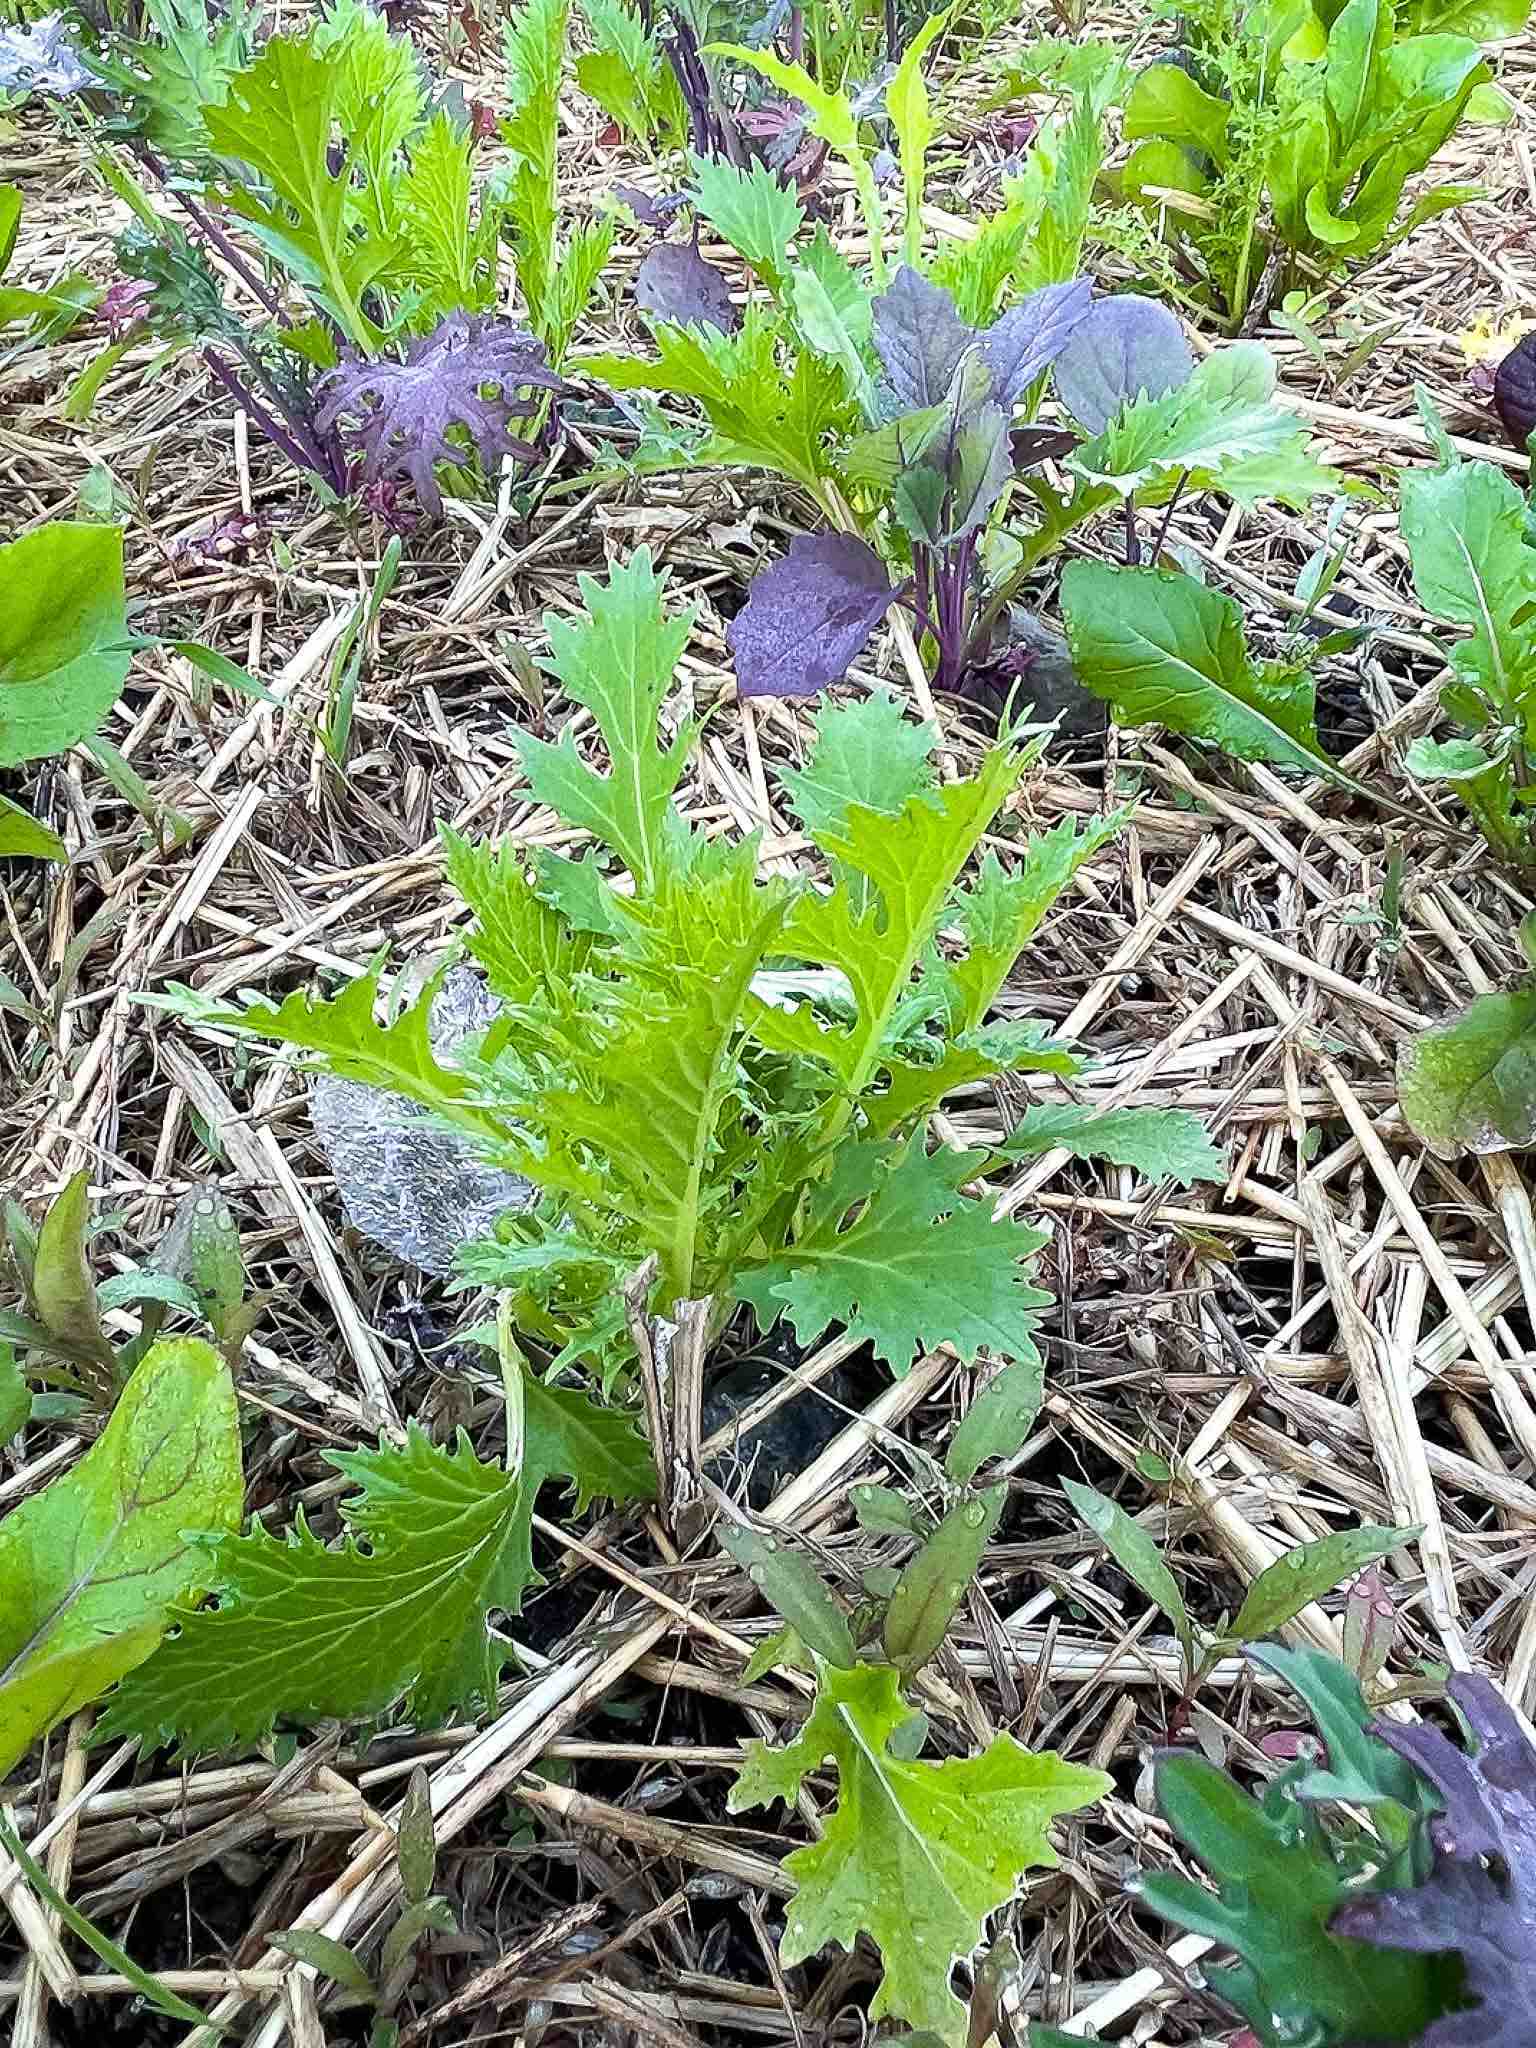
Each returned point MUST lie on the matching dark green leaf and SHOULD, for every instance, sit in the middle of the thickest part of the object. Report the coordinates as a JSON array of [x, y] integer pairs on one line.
[[998, 1419], [1304, 1574], [1135, 1553]]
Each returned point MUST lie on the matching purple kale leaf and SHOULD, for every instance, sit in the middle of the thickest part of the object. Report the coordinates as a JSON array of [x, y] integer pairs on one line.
[[1514, 391], [1125, 348], [651, 209], [920, 339], [678, 286], [808, 616], [1030, 336], [475, 374], [1479, 1900]]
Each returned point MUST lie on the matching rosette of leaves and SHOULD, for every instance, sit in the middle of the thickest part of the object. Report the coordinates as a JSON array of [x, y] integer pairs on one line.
[[672, 1095], [463, 391], [1146, 423], [353, 175], [918, 426], [1295, 131]]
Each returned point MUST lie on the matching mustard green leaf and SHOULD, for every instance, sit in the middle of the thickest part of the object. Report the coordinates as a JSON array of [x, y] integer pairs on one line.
[[1160, 1143], [894, 1252], [90, 1567], [916, 1855]]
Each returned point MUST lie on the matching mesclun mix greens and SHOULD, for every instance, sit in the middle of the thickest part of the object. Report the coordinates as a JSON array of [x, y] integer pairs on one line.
[[685, 1106]]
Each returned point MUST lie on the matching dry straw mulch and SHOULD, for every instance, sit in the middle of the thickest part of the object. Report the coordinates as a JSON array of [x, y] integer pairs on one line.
[[1344, 1329]]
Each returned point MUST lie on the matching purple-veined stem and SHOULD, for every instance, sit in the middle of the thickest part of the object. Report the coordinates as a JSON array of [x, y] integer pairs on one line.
[[297, 442]]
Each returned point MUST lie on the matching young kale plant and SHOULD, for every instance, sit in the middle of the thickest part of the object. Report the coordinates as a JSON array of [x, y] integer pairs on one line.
[[1288, 132], [1384, 1892], [907, 404], [914, 1854], [723, 1081], [379, 356]]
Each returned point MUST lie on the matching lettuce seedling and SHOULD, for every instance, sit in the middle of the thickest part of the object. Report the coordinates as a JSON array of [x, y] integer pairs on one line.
[[1294, 133], [722, 1077]]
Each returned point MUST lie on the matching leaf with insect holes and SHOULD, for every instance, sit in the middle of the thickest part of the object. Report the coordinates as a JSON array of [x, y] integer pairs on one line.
[[63, 639], [916, 1855], [1161, 1143], [1479, 1900], [1470, 1085], [91, 1566], [809, 616], [1125, 348], [463, 390], [395, 1615], [1162, 649], [675, 284], [894, 1252]]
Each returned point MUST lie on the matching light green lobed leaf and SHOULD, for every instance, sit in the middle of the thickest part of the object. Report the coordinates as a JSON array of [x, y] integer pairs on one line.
[[916, 1855]]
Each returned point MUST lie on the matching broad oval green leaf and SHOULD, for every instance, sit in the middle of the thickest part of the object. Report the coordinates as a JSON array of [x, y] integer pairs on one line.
[[1162, 649], [90, 1567], [1166, 102], [1304, 1574], [63, 637], [1470, 1085]]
